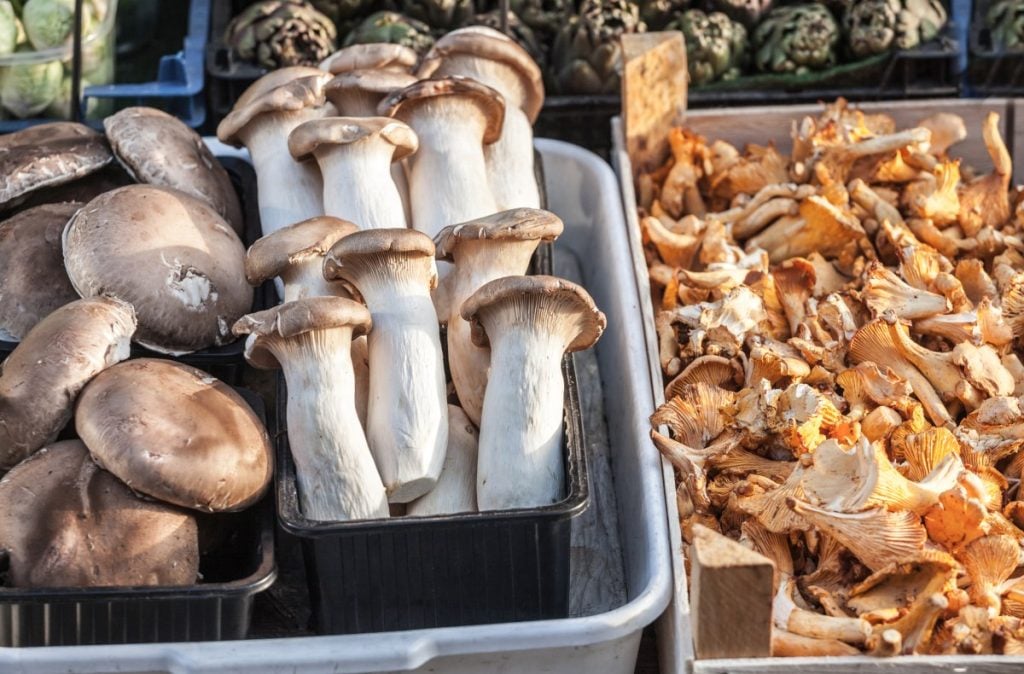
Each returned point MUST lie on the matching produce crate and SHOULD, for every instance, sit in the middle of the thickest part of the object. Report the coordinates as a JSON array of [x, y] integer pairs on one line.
[[992, 71], [760, 125], [234, 570]]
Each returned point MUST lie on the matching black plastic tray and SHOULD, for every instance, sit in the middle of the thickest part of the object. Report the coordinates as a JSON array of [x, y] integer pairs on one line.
[[992, 71], [237, 566]]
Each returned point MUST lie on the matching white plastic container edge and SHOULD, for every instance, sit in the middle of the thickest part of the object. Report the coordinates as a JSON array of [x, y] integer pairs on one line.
[[583, 191]]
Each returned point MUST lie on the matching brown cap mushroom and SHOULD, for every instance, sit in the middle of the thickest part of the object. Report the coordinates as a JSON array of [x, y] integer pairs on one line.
[[426, 92], [177, 434], [357, 93], [283, 90], [42, 377], [159, 149], [170, 255], [33, 282], [374, 56], [47, 155], [65, 522]]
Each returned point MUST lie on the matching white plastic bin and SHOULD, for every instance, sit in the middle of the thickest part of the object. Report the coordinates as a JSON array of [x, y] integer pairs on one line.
[[583, 190]]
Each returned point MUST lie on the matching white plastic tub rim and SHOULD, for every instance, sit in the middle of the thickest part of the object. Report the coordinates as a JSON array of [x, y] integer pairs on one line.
[[582, 189]]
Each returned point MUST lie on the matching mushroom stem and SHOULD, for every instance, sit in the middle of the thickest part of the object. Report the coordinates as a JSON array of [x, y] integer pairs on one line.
[[509, 162], [455, 491], [306, 279]]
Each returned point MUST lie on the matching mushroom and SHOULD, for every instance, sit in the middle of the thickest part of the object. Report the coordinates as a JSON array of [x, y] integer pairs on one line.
[[158, 149], [311, 340], [168, 254], [380, 56], [33, 282], [455, 491], [261, 120], [786, 615], [355, 156], [46, 155], [177, 434], [886, 293], [496, 60], [481, 251], [990, 561], [64, 522], [42, 377], [530, 322], [407, 426], [357, 93]]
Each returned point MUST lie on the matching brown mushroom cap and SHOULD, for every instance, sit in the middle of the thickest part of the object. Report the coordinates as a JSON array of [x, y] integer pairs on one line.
[[42, 377], [286, 89], [308, 136], [65, 522], [272, 254], [170, 255], [177, 434], [159, 149], [366, 250], [374, 56], [47, 155], [373, 81], [292, 319], [33, 282], [517, 224], [568, 301], [487, 43], [489, 101]]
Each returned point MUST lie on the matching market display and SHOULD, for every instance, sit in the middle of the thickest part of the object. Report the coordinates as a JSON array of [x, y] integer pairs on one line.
[[835, 330]]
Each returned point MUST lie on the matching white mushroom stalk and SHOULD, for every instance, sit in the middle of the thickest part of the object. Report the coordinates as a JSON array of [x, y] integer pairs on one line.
[[407, 417], [530, 322], [311, 341], [263, 117], [455, 491], [355, 156], [481, 251], [494, 59]]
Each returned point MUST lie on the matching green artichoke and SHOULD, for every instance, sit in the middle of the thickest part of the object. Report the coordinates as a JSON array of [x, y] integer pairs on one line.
[[392, 27], [1005, 19], [795, 39], [587, 53], [342, 11], [441, 15], [658, 14], [279, 33], [747, 12], [874, 26], [27, 90], [517, 30], [716, 46]]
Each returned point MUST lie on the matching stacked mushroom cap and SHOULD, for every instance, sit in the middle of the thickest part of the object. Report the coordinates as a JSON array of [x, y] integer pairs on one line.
[[839, 330]]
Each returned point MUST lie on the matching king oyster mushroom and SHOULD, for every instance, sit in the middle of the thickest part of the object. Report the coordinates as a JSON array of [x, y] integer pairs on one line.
[[33, 282], [158, 149], [311, 340], [455, 491], [41, 378], [177, 434], [380, 56], [530, 322], [483, 250], [65, 522], [492, 58], [355, 156], [170, 255], [407, 422], [263, 116]]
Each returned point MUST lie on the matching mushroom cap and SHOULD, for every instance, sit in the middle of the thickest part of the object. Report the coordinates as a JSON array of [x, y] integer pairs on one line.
[[546, 293], [489, 101], [47, 155], [272, 254], [65, 522], [33, 282], [159, 149], [177, 434], [487, 43], [292, 319], [170, 255], [374, 81], [364, 250], [283, 90], [374, 56], [517, 224], [308, 136]]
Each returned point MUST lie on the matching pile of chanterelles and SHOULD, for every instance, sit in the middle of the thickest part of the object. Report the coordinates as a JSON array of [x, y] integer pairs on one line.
[[838, 332]]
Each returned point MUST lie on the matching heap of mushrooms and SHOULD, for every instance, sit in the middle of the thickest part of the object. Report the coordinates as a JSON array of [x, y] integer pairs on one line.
[[839, 333]]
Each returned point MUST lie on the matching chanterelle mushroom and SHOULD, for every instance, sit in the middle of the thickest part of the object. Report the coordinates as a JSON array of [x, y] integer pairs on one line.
[[47, 155], [529, 323], [407, 424]]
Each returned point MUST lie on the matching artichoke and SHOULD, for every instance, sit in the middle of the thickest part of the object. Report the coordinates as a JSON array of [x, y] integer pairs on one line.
[[587, 54], [279, 33], [1005, 19], [343, 11], [796, 38], [392, 27], [747, 12], [874, 26], [716, 46], [441, 15], [26, 90], [518, 31], [658, 14]]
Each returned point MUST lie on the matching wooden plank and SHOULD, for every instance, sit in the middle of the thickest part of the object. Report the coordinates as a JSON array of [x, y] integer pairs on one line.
[[654, 84], [732, 598], [911, 664]]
